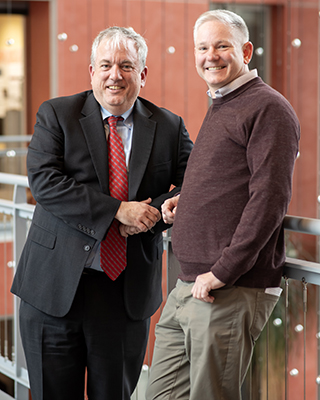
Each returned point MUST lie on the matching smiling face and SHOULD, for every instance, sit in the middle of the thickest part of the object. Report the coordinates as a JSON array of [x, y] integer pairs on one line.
[[116, 76], [220, 53]]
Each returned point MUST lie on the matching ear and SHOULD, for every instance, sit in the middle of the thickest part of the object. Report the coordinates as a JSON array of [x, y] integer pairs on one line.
[[91, 71], [143, 75], [247, 50]]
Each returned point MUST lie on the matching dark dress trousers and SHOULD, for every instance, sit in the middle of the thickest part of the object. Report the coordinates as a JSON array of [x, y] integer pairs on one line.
[[68, 175]]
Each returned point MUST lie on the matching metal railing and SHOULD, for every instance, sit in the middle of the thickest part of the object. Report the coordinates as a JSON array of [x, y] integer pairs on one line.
[[16, 217], [13, 152]]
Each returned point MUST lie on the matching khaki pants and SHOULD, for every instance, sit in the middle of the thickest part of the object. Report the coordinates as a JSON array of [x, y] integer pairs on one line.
[[203, 350]]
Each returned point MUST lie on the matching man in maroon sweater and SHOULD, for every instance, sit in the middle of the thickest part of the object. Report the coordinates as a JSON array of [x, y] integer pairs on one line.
[[227, 232]]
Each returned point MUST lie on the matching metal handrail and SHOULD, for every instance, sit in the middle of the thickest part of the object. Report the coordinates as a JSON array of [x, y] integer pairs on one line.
[[15, 138], [309, 226]]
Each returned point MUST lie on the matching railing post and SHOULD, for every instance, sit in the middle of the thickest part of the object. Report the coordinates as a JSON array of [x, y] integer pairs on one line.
[[305, 300], [286, 312], [318, 337]]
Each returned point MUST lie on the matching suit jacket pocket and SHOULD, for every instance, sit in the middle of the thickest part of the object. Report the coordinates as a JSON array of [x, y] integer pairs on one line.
[[160, 167], [42, 236]]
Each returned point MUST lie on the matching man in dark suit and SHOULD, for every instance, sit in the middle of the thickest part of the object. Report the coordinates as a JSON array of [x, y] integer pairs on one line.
[[73, 315]]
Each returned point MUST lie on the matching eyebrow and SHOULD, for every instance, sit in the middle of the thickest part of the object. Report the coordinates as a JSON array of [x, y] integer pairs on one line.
[[126, 61], [200, 44], [218, 42]]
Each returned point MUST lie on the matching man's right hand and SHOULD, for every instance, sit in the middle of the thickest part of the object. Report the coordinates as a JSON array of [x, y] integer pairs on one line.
[[168, 209], [138, 216]]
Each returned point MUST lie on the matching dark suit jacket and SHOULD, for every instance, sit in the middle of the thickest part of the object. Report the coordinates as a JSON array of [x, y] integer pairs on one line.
[[68, 175]]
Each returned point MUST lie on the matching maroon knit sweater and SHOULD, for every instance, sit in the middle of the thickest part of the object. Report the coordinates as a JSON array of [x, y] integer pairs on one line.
[[237, 188]]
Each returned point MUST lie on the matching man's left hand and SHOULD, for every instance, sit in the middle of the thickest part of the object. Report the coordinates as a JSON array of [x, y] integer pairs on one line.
[[126, 230], [203, 285]]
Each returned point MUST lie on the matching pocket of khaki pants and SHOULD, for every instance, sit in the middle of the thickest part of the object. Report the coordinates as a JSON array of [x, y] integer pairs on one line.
[[264, 306]]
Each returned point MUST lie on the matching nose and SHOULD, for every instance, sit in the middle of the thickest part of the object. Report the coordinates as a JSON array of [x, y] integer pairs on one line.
[[212, 53], [115, 72]]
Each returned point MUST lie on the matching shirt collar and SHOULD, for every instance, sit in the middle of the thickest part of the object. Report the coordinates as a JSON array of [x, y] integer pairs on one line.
[[235, 84], [127, 116]]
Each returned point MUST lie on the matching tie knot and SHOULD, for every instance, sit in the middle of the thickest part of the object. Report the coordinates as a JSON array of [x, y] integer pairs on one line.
[[112, 120]]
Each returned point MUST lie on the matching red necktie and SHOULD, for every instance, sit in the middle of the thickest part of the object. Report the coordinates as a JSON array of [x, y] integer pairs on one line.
[[113, 257]]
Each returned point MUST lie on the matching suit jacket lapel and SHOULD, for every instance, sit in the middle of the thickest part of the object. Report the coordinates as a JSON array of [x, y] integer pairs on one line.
[[142, 141], [143, 136], [94, 133]]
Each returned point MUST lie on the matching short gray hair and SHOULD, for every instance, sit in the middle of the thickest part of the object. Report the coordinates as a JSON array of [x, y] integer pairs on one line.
[[226, 17], [118, 36]]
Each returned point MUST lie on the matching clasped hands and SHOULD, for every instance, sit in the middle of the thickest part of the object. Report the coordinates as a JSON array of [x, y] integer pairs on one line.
[[136, 217]]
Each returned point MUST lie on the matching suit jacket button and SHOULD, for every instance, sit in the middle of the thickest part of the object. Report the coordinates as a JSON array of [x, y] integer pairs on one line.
[[92, 232], [87, 247]]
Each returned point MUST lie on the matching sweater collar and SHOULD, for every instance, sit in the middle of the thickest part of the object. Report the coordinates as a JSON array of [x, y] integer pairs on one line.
[[235, 84]]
